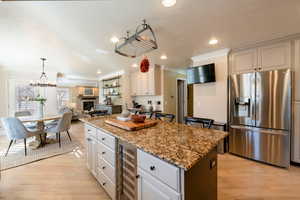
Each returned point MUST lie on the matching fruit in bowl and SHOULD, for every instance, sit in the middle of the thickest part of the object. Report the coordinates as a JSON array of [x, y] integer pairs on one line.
[[138, 118]]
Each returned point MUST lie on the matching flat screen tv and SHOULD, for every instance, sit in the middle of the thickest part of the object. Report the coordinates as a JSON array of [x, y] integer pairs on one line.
[[201, 74]]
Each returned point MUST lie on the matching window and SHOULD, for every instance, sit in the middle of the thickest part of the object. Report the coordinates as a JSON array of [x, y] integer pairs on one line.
[[23, 95], [63, 97]]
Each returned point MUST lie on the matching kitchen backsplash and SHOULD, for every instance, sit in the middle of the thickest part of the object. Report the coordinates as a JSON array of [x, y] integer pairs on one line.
[[143, 100]]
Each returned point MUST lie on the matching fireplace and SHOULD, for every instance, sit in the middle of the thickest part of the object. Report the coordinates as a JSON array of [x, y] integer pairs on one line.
[[88, 104]]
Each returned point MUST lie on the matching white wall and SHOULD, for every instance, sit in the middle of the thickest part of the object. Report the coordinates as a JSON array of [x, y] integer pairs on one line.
[[210, 99]]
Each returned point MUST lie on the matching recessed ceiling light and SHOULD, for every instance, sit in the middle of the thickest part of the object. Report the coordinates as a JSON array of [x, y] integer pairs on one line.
[[134, 65], [101, 51], [114, 39], [163, 57], [99, 71], [213, 41], [168, 3]]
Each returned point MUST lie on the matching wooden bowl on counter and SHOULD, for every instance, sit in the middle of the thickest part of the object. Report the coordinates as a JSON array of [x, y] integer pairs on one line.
[[138, 118]]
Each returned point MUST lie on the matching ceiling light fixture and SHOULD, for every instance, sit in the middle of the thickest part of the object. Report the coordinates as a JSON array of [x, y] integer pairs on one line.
[[168, 3], [134, 65], [213, 41], [43, 81], [114, 39], [163, 57], [99, 71]]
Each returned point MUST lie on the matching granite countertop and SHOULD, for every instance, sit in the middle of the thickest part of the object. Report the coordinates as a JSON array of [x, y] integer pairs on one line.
[[175, 143]]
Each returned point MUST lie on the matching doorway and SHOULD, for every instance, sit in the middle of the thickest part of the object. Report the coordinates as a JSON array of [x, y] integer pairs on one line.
[[181, 103], [190, 100]]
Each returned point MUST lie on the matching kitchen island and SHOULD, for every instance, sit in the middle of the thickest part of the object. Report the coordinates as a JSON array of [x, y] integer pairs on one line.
[[167, 161]]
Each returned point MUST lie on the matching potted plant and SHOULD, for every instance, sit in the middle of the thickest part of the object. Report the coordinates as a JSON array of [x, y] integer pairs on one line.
[[41, 104]]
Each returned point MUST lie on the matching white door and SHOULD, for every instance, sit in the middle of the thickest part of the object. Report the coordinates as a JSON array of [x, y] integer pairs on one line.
[[150, 188], [243, 61], [276, 56]]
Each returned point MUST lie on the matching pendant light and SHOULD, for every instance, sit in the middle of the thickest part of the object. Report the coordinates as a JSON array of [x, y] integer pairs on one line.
[[43, 81]]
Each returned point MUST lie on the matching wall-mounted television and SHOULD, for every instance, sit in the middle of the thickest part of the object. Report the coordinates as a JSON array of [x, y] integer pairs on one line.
[[201, 74]]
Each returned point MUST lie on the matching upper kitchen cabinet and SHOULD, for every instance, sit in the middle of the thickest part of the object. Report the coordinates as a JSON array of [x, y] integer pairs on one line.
[[263, 58], [146, 84], [297, 71], [275, 56], [243, 61]]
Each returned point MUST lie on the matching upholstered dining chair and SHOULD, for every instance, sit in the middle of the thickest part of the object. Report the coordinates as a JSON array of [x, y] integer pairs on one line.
[[15, 130], [169, 117], [63, 125], [206, 123], [25, 113]]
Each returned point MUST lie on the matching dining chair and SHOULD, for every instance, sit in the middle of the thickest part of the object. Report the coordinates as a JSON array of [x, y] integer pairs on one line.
[[63, 125], [15, 130], [206, 123], [170, 117], [61, 111], [25, 113]]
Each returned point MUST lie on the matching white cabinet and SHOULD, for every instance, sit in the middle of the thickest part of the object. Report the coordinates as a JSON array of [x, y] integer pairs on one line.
[[134, 83], [149, 83], [295, 142], [150, 188], [244, 61], [269, 57], [157, 178], [297, 71], [91, 155], [101, 158], [275, 56]]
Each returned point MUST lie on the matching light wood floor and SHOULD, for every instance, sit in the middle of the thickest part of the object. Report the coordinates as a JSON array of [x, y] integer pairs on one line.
[[65, 177]]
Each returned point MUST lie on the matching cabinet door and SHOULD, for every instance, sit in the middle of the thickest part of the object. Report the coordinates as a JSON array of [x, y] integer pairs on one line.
[[151, 82], [243, 61], [133, 80], [297, 71], [275, 56], [296, 134], [150, 188], [89, 153], [142, 84], [94, 157]]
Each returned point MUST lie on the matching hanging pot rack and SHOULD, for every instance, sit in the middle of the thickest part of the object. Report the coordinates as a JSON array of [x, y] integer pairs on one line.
[[141, 42]]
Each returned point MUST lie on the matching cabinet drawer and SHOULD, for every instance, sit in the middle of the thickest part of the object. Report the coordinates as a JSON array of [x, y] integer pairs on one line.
[[90, 131], [106, 153], [108, 186], [107, 169], [162, 170], [107, 139]]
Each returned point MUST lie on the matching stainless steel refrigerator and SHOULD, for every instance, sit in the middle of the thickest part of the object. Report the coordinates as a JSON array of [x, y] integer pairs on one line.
[[260, 116]]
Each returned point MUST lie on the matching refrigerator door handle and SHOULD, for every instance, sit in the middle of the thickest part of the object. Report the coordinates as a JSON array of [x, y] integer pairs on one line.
[[261, 130]]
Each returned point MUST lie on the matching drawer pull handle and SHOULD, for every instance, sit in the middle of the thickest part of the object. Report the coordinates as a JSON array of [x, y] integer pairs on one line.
[[103, 139], [89, 130], [89, 139], [152, 168], [103, 152], [104, 184], [137, 176], [103, 167]]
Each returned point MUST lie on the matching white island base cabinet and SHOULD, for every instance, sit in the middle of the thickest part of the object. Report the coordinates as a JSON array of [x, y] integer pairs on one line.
[[155, 178]]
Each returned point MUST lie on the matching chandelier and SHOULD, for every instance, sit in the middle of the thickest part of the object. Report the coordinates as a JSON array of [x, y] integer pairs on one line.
[[43, 81]]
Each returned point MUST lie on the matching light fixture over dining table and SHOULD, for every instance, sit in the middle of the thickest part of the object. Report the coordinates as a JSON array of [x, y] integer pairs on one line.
[[43, 81]]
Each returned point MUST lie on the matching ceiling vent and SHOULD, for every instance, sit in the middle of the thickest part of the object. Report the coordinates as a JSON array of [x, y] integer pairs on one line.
[[143, 41]]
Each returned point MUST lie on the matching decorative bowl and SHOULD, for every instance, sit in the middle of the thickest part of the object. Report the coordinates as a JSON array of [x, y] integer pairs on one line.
[[138, 118]]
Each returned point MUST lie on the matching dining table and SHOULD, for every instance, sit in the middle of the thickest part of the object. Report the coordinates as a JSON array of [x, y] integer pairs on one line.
[[40, 122]]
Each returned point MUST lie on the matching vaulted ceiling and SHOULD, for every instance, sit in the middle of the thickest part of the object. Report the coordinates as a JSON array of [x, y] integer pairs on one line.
[[75, 35]]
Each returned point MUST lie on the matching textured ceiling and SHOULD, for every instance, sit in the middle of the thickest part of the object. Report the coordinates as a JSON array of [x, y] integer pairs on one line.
[[75, 36]]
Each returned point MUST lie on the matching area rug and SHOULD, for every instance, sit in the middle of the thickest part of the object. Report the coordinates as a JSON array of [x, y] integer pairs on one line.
[[17, 158]]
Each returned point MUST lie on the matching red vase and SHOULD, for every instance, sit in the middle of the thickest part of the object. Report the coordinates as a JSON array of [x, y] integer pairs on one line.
[[144, 67]]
